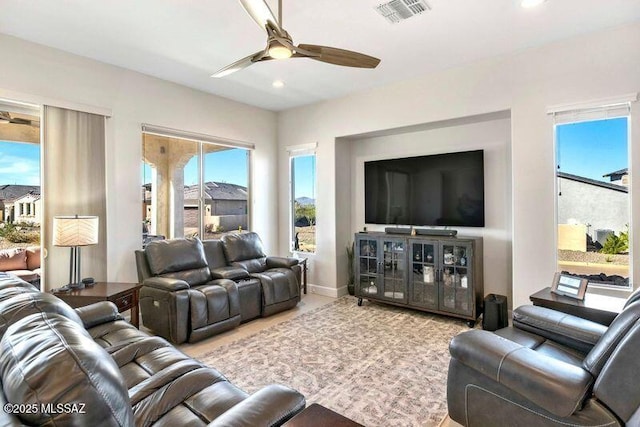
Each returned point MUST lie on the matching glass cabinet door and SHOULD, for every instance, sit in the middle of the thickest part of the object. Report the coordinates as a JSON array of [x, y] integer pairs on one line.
[[393, 269], [456, 279], [423, 288], [366, 268]]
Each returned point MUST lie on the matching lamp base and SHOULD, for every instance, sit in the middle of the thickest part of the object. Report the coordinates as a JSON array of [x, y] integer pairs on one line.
[[79, 285]]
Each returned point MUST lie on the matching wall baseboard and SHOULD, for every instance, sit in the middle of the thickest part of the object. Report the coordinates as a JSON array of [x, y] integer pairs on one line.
[[327, 291]]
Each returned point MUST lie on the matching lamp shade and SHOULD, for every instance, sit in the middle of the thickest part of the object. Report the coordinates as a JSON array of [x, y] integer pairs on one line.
[[69, 231]]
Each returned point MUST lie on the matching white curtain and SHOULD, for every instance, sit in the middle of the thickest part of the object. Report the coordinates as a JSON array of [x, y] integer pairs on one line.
[[73, 183]]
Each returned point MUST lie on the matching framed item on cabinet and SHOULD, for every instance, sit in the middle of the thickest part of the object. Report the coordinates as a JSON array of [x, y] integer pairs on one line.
[[569, 286]]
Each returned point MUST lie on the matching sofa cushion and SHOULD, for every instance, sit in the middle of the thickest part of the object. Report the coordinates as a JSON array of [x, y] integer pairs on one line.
[[48, 359], [170, 256], [8, 281], [214, 252], [33, 257], [13, 259], [256, 265], [24, 304], [278, 285], [229, 272], [242, 246]]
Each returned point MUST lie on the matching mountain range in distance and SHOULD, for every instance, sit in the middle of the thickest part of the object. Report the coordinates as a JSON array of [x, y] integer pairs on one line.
[[305, 201]]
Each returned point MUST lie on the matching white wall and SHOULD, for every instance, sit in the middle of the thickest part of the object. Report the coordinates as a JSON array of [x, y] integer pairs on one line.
[[40, 74], [584, 68], [492, 136]]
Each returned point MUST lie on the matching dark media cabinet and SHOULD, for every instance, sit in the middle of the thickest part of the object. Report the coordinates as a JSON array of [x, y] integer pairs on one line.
[[430, 273]]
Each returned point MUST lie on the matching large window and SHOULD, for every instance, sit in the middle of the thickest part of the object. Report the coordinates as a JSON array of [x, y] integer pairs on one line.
[[193, 188], [303, 202], [593, 214], [20, 200]]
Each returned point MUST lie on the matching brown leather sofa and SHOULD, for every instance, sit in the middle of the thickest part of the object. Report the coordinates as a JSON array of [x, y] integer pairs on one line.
[[194, 289], [88, 367], [548, 369]]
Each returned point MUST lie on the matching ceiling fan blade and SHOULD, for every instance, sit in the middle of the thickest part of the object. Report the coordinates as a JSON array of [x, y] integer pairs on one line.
[[239, 64], [260, 12], [343, 57]]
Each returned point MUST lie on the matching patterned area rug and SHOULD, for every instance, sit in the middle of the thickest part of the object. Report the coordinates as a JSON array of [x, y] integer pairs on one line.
[[376, 364]]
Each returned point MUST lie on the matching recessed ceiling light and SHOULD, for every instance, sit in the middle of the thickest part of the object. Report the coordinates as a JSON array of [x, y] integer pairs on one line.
[[277, 83], [528, 4]]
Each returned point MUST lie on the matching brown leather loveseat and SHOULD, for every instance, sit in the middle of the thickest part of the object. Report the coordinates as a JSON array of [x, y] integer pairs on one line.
[[88, 367], [193, 289]]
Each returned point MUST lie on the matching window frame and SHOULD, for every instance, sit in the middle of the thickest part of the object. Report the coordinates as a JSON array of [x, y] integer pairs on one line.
[[303, 150], [616, 107], [201, 140]]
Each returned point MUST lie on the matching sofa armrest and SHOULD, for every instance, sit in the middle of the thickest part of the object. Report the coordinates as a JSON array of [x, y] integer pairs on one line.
[[232, 273], [549, 383], [575, 332], [269, 406], [166, 284], [281, 262], [98, 314]]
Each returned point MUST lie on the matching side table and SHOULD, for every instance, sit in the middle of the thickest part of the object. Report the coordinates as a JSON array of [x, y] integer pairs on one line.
[[318, 416], [597, 308], [303, 285], [124, 295]]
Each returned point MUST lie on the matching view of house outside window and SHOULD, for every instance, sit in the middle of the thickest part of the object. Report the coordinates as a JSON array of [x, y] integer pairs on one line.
[[173, 203], [20, 202], [303, 190], [593, 200]]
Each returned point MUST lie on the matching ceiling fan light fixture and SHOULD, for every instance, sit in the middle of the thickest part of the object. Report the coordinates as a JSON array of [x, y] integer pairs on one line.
[[528, 4], [278, 51]]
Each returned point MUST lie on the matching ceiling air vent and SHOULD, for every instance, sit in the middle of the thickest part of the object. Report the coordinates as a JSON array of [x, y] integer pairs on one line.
[[399, 10]]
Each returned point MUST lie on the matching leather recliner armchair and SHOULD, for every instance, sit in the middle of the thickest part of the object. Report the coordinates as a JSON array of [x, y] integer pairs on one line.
[[548, 369]]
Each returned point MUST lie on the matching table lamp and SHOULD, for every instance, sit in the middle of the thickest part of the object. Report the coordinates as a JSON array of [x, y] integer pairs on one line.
[[74, 232]]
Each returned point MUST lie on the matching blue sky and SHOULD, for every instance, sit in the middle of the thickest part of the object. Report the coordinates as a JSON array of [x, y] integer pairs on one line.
[[592, 149], [588, 149], [221, 166], [304, 175], [19, 163]]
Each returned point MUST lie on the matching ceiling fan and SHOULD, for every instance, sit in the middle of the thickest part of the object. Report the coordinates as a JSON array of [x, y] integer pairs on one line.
[[280, 44], [5, 117]]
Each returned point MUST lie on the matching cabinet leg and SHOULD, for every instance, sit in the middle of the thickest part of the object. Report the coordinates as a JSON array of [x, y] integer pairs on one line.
[[359, 302], [471, 323]]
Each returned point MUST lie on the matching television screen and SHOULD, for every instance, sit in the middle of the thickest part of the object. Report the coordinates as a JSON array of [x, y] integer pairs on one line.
[[443, 189]]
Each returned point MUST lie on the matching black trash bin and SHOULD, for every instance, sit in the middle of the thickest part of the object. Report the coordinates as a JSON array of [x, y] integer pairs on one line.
[[495, 314]]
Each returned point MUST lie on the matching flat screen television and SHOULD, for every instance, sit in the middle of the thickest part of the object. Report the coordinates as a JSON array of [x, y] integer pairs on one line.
[[442, 189]]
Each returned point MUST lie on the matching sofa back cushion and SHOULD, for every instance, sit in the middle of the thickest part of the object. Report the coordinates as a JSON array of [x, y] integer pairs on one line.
[[182, 259], [33, 257], [20, 303], [242, 246], [214, 253], [9, 281], [48, 359], [616, 386], [619, 328], [13, 259]]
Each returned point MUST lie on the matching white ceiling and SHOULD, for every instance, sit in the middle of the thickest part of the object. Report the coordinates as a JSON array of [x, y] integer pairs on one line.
[[185, 41]]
